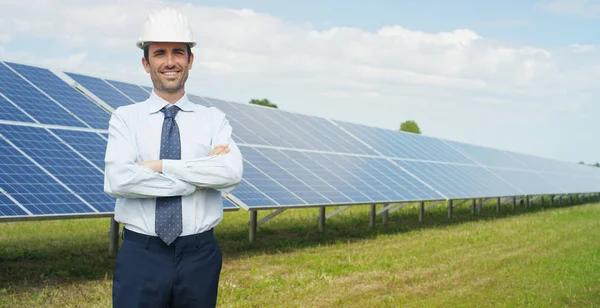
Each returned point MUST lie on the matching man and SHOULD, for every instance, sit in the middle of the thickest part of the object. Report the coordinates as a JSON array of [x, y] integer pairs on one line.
[[167, 162]]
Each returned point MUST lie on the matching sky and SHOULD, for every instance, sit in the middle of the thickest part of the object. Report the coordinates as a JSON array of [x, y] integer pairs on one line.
[[515, 75]]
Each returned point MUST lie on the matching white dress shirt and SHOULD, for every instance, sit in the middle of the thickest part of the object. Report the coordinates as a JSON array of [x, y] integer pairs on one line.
[[134, 135]]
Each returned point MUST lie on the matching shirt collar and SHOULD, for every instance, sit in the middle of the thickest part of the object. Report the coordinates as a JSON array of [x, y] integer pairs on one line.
[[156, 103]]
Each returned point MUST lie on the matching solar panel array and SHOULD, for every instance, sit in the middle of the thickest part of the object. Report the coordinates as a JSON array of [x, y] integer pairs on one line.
[[54, 139]]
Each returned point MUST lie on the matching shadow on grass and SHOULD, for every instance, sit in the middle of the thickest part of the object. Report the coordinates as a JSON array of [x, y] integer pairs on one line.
[[71, 256], [288, 233]]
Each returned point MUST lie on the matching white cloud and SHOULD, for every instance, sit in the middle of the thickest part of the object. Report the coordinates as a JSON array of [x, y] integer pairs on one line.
[[582, 48], [586, 8], [456, 83]]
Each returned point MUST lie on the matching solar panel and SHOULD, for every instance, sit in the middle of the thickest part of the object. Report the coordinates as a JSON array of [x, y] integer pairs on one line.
[[34, 189], [531, 183], [85, 109], [228, 205], [134, 92], [460, 181], [90, 144], [8, 207], [290, 159], [78, 174], [487, 156], [267, 126], [32, 101], [102, 90], [298, 178], [398, 144]]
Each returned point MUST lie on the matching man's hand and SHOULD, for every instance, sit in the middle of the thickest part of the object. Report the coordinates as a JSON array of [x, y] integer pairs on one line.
[[221, 149]]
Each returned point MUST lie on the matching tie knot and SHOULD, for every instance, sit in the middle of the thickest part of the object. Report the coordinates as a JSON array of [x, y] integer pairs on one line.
[[170, 112]]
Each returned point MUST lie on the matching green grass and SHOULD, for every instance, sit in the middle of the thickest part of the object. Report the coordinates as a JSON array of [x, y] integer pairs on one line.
[[529, 258]]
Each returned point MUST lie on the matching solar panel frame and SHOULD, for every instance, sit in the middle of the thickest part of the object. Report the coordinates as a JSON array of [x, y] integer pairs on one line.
[[101, 89], [134, 92]]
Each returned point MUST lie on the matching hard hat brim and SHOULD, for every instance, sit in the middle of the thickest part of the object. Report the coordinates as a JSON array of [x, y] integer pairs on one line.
[[142, 44]]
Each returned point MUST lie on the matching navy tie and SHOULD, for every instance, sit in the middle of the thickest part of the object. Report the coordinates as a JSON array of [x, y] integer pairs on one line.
[[168, 209]]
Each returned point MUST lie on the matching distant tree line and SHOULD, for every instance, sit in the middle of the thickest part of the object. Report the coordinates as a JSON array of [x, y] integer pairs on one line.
[[410, 127], [597, 164], [262, 102]]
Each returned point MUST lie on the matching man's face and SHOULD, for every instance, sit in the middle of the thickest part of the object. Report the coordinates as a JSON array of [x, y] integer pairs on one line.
[[168, 66]]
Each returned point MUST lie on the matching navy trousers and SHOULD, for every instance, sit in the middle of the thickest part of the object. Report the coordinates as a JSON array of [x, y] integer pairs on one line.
[[148, 273]]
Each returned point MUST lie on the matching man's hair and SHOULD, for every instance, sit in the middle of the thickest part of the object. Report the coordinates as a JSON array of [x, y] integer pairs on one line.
[[147, 48]]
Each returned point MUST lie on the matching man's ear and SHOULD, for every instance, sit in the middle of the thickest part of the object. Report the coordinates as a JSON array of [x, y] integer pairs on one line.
[[191, 61], [146, 64]]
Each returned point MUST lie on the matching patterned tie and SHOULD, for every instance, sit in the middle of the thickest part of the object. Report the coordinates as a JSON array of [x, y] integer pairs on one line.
[[168, 209]]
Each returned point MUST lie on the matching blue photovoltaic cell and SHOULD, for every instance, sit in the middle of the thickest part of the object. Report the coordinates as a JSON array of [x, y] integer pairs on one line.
[[572, 183], [405, 145], [268, 186], [103, 90], [33, 101], [460, 181], [487, 156], [267, 126], [338, 181], [541, 164], [331, 137], [228, 205], [400, 186], [12, 113], [89, 144], [251, 196], [32, 187], [133, 91], [59, 160], [149, 89], [329, 192], [241, 133], [529, 182], [8, 207], [283, 177], [88, 111]]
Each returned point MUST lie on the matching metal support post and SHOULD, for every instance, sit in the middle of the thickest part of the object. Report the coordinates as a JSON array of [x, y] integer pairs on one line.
[[385, 215], [322, 219], [498, 205], [421, 210], [372, 215], [252, 225], [450, 203]]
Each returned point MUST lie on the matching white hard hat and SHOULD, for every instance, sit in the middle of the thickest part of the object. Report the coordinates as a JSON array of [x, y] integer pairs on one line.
[[166, 25]]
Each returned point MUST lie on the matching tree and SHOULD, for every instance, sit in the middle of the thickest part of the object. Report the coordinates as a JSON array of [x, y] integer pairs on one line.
[[263, 102], [410, 126]]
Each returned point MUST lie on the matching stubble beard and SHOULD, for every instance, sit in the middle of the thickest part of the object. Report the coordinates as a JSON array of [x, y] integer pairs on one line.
[[162, 86]]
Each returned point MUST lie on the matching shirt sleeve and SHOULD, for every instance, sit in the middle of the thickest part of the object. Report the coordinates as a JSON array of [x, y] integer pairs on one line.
[[125, 179], [220, 172]]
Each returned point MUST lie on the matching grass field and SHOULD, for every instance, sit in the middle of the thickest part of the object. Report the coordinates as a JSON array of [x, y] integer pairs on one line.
[[529, 258]]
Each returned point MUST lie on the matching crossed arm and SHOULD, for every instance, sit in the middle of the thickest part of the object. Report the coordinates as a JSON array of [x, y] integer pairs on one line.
[[156, 165], [128, 177]]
